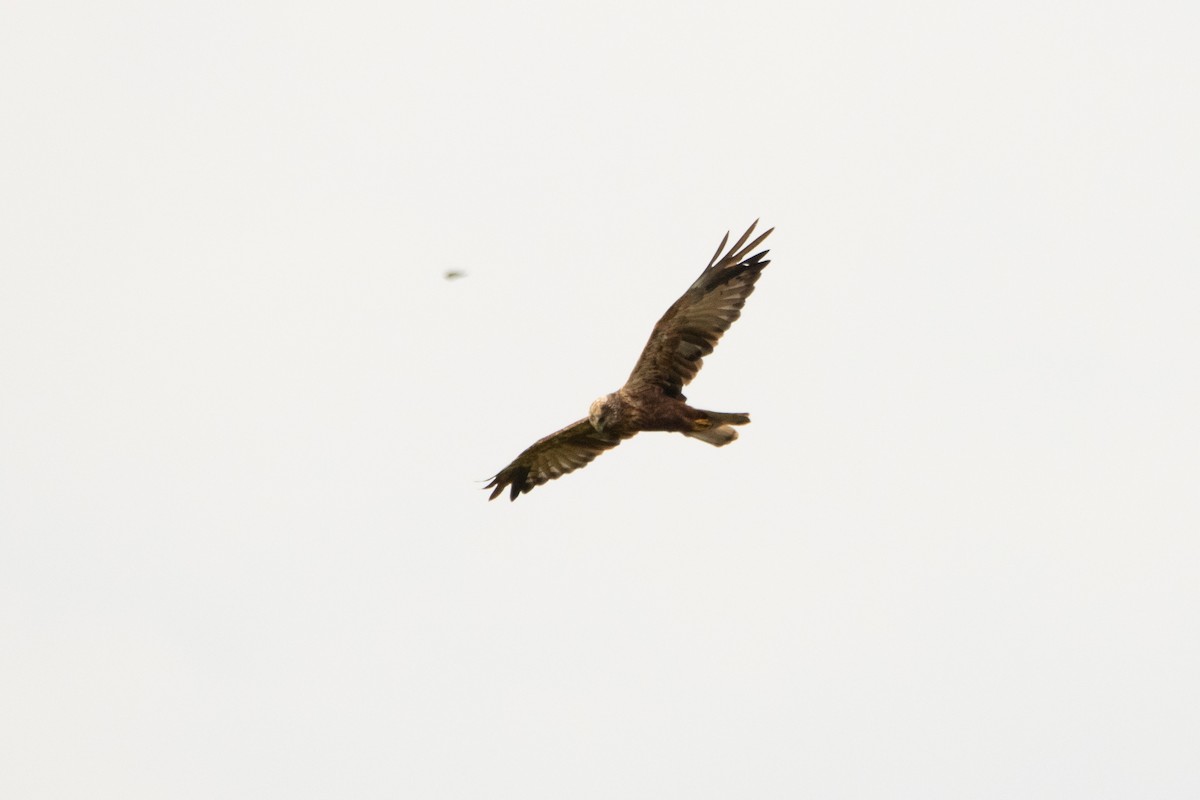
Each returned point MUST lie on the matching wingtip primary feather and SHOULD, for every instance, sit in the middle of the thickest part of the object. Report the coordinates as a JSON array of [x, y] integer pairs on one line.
[[742, 240], [740, 249], [514, 488], [720, 248], [740, 254]]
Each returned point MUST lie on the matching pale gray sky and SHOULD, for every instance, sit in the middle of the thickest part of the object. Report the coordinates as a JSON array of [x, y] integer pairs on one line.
[[245, 419]]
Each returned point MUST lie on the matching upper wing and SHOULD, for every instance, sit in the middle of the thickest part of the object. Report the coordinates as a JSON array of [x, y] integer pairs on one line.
[[557, 454], [692, 327]]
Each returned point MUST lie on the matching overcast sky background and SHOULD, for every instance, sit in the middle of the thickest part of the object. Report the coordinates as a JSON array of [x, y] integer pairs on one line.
[[244, 418]]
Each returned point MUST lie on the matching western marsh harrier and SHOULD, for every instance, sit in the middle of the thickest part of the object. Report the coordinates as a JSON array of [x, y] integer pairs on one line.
[[652, 399]]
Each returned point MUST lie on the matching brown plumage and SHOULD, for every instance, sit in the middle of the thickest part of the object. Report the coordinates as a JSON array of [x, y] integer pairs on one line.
[[652, 398]]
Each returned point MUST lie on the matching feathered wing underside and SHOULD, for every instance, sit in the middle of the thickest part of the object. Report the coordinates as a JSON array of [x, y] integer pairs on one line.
[[554, 456], [692, 326]]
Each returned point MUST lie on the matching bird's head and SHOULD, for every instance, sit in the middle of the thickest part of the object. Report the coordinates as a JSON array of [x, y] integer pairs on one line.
[[599, 413]]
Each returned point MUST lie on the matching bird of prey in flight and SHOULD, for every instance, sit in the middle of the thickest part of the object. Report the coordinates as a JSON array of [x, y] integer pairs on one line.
[[652, 398]]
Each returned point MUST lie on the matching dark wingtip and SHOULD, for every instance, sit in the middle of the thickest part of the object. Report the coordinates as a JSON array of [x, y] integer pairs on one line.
[[519, 484], [509, 476], [754, 265]]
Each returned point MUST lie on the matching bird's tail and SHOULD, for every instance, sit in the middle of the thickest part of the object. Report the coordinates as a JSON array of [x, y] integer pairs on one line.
[[715, 427]]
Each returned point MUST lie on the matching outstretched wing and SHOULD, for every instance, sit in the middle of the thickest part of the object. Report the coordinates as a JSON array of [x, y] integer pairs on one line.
[[559, 453], [692, 327]]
